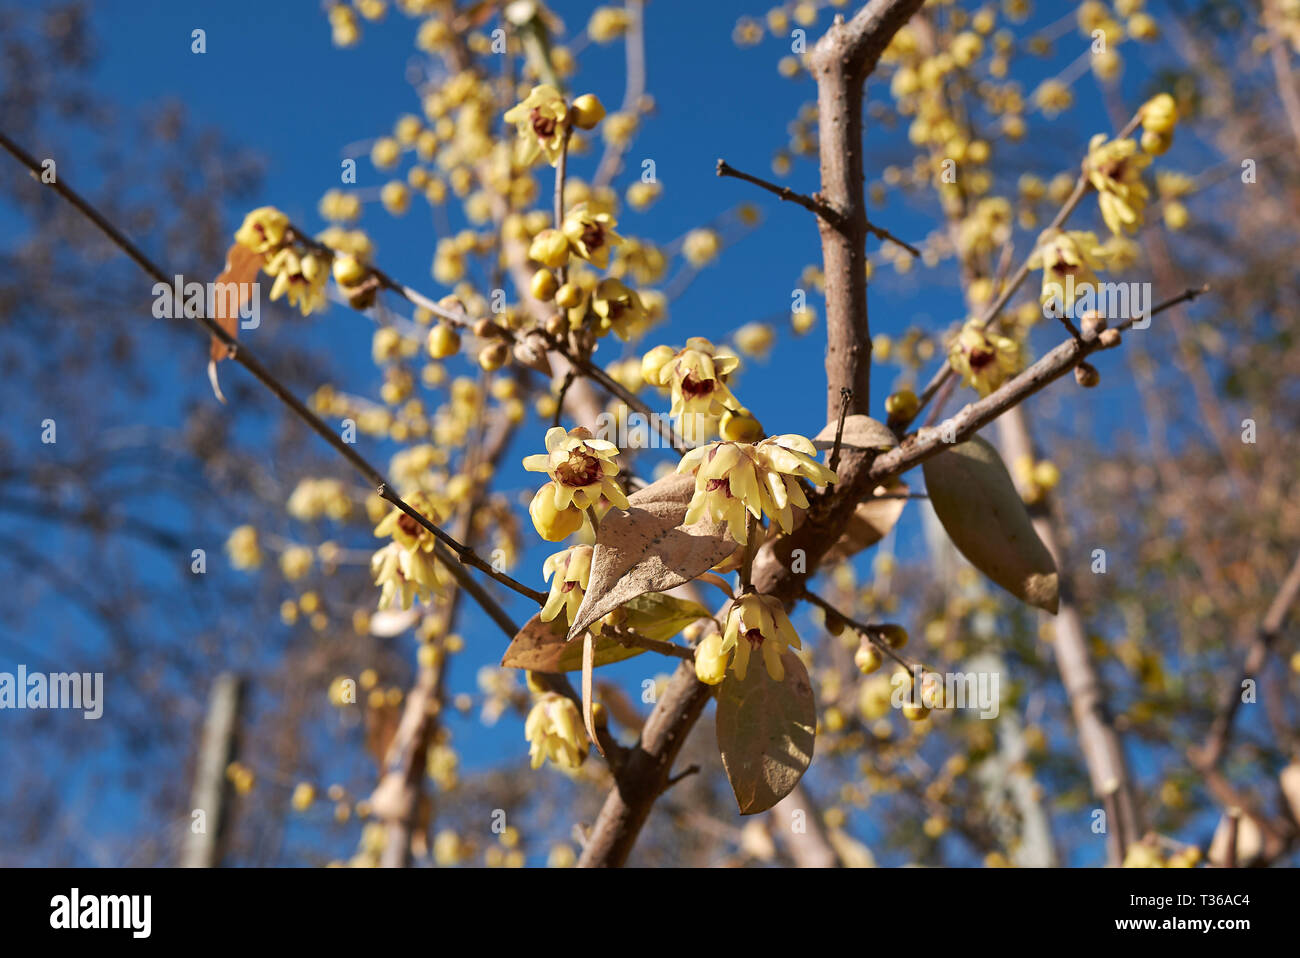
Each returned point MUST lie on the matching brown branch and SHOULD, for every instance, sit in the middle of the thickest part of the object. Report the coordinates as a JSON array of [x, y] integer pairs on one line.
[[841, 61], [1216, 743], [627, 637], [784, 192], [811, 203]]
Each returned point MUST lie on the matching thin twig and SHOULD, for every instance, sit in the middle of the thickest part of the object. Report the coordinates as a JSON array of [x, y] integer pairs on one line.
[[812, 204], [627, 637], [846, 396]]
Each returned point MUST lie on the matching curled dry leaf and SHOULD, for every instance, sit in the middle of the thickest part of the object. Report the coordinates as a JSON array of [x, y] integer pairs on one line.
[[977, 503], [861, 433], [766, 732], [241, 269], [588, 664], [647, 549], [544, 647], [870, 522]]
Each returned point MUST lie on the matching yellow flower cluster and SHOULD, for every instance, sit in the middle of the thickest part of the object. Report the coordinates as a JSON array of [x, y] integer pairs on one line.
[[298, 272], [554, 731], [758, 623], [697, 377], [405, 568], [732, 478], [1068, 261], [1114, 167]]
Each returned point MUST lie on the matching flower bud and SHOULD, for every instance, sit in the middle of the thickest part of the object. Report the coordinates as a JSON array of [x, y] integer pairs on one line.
[[550, 248], [740, 426], [1091, 324], [568, 296], [902, 406], [1046, 475], [710, 661], [1156, 144], [1109, 338], [1159, 114], [587, 111], [867, 658], [553, 524], [443, 341], [893, 635], [348, 270], [544, 285], [653, 363], [493, 356], [1086, 375]]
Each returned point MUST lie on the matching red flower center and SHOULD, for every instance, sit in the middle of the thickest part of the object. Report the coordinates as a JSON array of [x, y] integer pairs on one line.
[[579, 469], [593, 235], [693, 388], [543, 126]]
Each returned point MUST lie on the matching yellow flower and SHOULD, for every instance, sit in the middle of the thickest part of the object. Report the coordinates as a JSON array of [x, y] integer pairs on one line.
[[581, 468], [1119, 253], [983, 359], [1159, 114], [295, 562], [554, 731], [701, 246], [541, 124], [263, 229], [590, 234], [304, 794], [405, 530], [619, 308], [1115, 169], [245, 553], [697, 376], [572, 569], [732, 478], [758, 622], [606, 24], [403, 575], [303, 278], [1068, 261]]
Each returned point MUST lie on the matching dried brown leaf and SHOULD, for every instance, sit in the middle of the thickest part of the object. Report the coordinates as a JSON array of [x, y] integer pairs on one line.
[[766, 733], [870, 522], [984, 516], [544, 647], [861, 433], [647, 549]]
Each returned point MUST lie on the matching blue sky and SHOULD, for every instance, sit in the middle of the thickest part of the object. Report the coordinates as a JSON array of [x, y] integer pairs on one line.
[[271, 81]]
